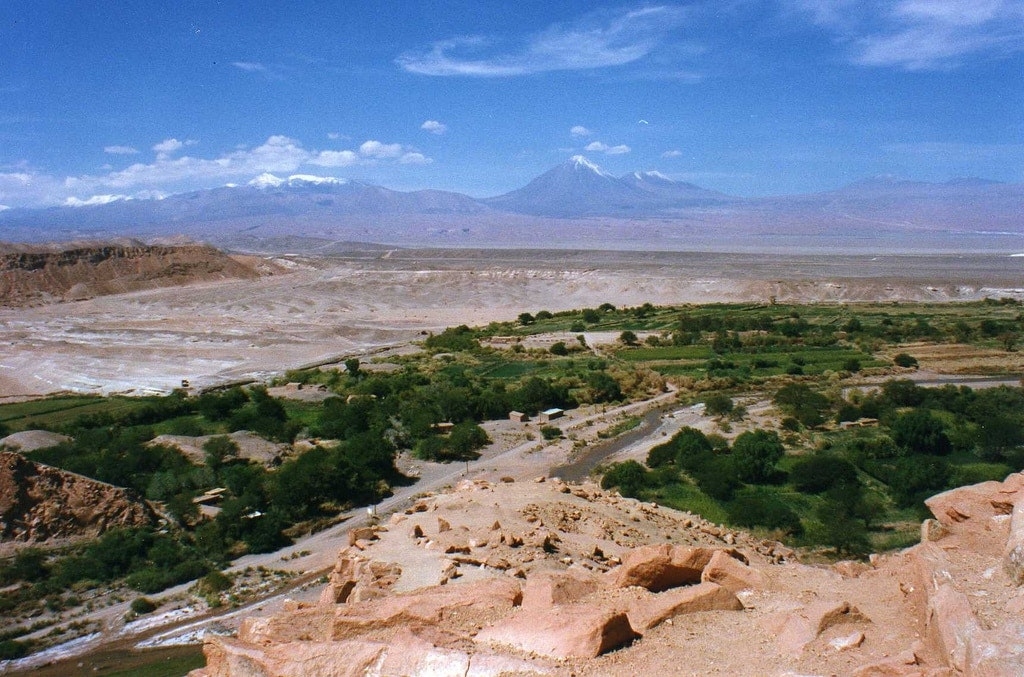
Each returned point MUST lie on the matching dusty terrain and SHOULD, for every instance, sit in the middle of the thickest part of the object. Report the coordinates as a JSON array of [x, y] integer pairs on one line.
[[214, 332], [544, 577]]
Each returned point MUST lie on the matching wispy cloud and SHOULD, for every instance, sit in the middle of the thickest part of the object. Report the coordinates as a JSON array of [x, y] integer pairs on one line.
[[598, 147], [920, 34], [579, 131], [249, 66], [672, 153], [597, 40], [434, 127], [120, 150]]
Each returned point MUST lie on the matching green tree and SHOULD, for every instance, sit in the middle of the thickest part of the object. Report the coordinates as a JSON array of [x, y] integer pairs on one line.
[[218, 450], [629, 476], [821, 472], [718, 404], [755, 454], [526, 319], [629, 338], [352, 367], [559, 348], [921, 432]]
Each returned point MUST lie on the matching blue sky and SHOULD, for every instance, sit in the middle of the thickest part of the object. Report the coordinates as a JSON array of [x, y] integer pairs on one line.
[[136, 98]]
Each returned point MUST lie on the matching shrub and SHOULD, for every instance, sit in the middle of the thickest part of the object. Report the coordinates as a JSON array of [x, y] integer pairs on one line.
[[559, 348], [550, 432], [904, 360], [718, 404], [629, 476], [142, 605], [214, 582], [761, 508]]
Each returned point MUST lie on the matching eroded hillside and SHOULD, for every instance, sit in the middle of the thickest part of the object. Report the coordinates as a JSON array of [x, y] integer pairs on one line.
[[40, 275]]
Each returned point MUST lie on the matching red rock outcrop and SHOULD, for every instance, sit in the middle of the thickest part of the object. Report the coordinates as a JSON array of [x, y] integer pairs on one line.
[[76, 271], [40, 504], [558, 579]]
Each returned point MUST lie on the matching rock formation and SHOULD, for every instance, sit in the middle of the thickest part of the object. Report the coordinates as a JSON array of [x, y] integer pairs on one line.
[[551, 578], [43, 505], [31, 276]]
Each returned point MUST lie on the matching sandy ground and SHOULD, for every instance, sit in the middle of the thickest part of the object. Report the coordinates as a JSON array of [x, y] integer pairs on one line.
[[213, 333]]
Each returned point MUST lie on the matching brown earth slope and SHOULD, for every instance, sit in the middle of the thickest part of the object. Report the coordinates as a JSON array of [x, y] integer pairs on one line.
[[42, 505], [38, 275]]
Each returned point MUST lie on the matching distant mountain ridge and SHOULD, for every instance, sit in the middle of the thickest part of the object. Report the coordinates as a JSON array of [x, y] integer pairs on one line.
[[560, 206]]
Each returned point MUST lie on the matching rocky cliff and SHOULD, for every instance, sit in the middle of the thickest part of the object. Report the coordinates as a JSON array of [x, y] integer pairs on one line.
[[42, 505], [36, 275], [557, 579]]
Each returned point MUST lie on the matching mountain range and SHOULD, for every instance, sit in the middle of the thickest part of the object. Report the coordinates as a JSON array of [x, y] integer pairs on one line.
[[575, 204]]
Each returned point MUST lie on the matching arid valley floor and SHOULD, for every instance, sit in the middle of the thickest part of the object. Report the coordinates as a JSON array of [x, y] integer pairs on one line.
[[317, 309]]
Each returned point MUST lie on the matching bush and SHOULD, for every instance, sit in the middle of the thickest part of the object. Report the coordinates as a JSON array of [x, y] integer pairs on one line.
[[760, 508], [11, 650], [550, 432], [629, 476], [214, 582], [718, 404], [904, 360], [142, 605], [559, 349]]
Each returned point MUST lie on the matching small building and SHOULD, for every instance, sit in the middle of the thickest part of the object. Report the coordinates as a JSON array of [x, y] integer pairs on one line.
[[444, 427], [550, 415], [859, 423], [518, 417]]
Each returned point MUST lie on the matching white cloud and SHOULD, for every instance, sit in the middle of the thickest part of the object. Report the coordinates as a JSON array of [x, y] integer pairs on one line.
[[169, 147], [378, 150], [335, 158], [334, 136], [598, 147], [434, 127], [249, 66], [597, 40], [920, 34], [120, 150], [414, 158], [672, 153], [579, 130], [173, 172]]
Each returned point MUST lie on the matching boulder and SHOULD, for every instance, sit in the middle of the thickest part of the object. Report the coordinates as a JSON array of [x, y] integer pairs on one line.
[[795, 630], [572, 631], [653, 610], [357, 579], [426, 607], [546, 589], [732, 574], [1013, 555], [660, 567]]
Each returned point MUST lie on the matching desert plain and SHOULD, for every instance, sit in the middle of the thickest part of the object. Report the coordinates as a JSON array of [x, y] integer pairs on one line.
[[320, 309]]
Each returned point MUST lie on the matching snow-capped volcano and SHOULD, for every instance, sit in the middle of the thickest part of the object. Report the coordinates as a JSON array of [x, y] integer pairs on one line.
[[268, 180], [579, 187]]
